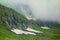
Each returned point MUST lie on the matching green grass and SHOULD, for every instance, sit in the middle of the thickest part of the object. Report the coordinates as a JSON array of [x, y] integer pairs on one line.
[[6, 34], [46, 31]]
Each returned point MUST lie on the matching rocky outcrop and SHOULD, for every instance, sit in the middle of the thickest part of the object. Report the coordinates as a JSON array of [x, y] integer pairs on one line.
[[12, 19]]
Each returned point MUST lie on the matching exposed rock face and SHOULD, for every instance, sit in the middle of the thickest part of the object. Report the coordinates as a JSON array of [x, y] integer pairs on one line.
[[11, 19]]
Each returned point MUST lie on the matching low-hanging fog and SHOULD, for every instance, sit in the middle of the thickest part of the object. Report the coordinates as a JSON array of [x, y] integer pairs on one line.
[[40, 9]]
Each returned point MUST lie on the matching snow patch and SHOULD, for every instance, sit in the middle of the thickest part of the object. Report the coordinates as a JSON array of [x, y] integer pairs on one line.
[[17, 31], [29, 18], [45, 27], [30, 29]]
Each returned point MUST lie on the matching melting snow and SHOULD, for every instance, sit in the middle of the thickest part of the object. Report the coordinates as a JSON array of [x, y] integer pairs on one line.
[[17, 31], [29, 29], [45, 27], [29, 18]]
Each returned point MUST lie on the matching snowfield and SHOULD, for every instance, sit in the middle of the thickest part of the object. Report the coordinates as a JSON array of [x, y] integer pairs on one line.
[[30, 29], [18, 31], [45, 27], [29, 18]]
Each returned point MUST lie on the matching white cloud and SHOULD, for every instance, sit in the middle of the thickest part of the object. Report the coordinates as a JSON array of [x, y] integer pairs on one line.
[[41, 9]]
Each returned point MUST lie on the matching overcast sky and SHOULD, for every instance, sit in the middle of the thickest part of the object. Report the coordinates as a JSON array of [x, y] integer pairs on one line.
[[41, 9]]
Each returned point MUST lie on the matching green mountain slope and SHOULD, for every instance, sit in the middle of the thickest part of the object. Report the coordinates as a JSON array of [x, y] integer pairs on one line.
[[6, 34], [10, 19]]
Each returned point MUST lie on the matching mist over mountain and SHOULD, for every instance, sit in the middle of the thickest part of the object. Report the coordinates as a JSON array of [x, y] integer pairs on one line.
[[29, 19], [40, 9]]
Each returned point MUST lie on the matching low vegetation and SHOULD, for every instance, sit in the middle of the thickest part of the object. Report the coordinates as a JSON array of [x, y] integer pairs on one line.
[[10, 19]]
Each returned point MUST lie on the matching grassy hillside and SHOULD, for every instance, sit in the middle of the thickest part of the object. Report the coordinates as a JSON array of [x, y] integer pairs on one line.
[[9, 19], [5, 34], [8, 35]]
